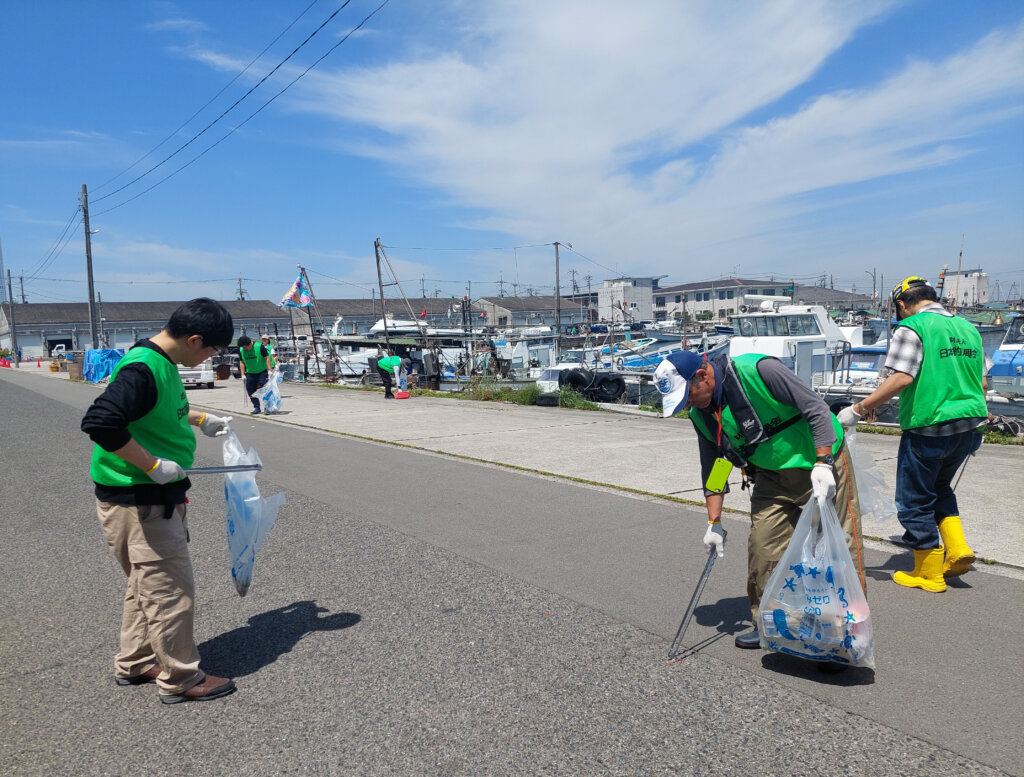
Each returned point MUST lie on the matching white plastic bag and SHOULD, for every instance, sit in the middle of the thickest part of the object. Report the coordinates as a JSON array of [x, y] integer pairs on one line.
[[877, 500], [402, 379], [250, 517], [269, 394], [813, 605]]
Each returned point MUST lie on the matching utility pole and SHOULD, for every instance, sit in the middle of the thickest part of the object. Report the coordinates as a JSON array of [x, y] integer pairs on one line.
[[558, 305], [14, 331], [88, 267], [3, 288], [501, 284], [423, 286], [241, 292], [21, 282]]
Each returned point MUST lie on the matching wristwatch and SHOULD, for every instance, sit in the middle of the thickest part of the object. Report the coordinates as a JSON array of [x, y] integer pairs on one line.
[[830, 459]]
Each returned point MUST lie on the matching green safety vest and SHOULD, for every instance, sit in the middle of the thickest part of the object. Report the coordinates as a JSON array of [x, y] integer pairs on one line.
[[164, 431], [948, 384], [789, 443], [389, 363], [255, 361]]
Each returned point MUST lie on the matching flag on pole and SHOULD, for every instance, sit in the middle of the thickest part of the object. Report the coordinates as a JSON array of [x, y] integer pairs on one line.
[[483, 314], [424, 313], [297, 296]]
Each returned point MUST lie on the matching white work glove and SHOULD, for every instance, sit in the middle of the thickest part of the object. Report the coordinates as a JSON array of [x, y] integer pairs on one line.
[[166, 471], [823, 481], [214, 425], [714, 537], [848, 417]]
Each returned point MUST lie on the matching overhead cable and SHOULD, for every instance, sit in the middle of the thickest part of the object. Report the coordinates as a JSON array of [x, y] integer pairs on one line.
[[185, 123], [226, 112], [248, 118]]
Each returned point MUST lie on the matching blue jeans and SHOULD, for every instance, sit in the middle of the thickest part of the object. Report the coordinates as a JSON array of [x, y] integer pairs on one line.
[[253, 382], [924, 475]]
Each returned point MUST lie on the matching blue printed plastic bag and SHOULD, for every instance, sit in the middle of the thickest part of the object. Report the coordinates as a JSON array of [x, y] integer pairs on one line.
[[250, 517], [269, 394], [813, 605]]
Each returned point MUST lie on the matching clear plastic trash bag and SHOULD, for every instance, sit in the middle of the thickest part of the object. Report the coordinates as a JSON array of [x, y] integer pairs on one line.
[[249, 516], [877, 500], [813, 605], [269, 394], [402, 379]]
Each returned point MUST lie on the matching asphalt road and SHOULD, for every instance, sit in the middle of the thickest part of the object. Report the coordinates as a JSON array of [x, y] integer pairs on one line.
[[414, 614]]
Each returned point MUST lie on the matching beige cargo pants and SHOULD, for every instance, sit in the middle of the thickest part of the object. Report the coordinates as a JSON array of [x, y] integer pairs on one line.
[[159, 608], [776, 501]]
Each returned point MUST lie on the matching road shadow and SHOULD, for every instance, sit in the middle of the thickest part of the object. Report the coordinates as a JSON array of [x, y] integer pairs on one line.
[[247, 649], [824, 672], [726, 616]]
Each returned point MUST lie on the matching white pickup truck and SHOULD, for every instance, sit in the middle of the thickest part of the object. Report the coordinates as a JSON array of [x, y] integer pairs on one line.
[[200, 375]]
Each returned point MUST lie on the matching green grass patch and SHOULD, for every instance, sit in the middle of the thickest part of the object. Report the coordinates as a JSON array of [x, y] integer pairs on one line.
[[574, 400]]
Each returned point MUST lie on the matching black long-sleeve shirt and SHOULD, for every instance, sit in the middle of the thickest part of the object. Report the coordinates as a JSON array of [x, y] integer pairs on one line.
[[127, 398]]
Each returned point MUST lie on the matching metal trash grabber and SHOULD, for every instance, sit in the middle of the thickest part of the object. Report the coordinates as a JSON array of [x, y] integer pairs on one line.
[[712, 555], [224, 469]]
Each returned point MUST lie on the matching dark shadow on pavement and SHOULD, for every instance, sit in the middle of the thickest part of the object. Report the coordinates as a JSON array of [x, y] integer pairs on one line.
[[246, 650], [824, 672], [726, 615]]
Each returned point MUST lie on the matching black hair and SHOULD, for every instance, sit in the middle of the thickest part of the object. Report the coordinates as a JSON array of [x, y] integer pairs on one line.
[[915, 294], [204, 317], [244, 341]]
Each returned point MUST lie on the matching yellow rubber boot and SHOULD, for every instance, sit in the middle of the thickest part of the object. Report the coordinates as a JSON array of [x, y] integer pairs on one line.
[[927, 574], [959, 556]]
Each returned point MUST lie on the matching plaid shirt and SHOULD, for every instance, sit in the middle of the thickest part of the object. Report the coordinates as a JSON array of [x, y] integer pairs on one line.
[[906, 352]]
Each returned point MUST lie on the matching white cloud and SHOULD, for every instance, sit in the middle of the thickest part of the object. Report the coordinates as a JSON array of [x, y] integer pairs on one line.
[[620, 126]]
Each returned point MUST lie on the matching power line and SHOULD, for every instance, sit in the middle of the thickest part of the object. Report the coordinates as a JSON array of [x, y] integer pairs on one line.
[[226, 112], [54, 251], [243, 123], [238, 75], [500, 248]]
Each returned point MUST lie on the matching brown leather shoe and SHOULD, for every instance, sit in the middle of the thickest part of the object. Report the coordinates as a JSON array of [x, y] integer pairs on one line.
[[210, 688], [139, 679]]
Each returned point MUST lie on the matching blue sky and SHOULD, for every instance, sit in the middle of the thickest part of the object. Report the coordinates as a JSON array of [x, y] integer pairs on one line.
[[691, 140]]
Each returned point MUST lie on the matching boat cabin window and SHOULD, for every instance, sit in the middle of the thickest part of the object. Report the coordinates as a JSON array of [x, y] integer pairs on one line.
[[803, 325], [1015, 333], [762, 326], [548, 375]]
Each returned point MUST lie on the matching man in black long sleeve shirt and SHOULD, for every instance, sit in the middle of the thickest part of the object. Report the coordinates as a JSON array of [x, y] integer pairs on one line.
[[141, 427]]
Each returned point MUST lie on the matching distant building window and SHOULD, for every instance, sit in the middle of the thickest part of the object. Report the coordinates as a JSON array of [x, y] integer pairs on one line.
[[730, 294], [707, 295], [769, 292], [502, 320], [721, 295], [659, 302], [680, 297], [751, 291]]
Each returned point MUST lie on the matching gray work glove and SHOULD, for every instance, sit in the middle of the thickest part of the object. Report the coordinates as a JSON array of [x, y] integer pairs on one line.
[[823, 481], [166, 471], [214, 425], [714, 537], [848, 417]]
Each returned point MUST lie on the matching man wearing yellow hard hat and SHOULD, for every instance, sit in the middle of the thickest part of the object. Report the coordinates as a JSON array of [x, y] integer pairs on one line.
[[937, 368]]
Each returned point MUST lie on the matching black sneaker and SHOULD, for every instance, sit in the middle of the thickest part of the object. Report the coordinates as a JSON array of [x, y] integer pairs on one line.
[[255, 412], [749, 641]]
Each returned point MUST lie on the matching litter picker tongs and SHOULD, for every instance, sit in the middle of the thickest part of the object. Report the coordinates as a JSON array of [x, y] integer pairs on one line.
[[674, 650], [224, 469]]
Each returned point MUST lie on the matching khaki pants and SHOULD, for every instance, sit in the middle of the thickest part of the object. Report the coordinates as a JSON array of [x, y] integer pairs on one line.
[[156, 623], [776, 502]]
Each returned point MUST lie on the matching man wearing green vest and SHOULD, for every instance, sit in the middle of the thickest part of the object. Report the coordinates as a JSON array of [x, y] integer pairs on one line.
[[937, 368], [141, 427], [387, 366], [254, 364], [753, 412]]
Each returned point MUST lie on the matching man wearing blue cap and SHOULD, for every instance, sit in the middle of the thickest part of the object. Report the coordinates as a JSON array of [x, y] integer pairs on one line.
[[752, 412]]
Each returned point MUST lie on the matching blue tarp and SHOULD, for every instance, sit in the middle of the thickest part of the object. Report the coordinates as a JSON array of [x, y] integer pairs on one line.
[[100, 362]]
